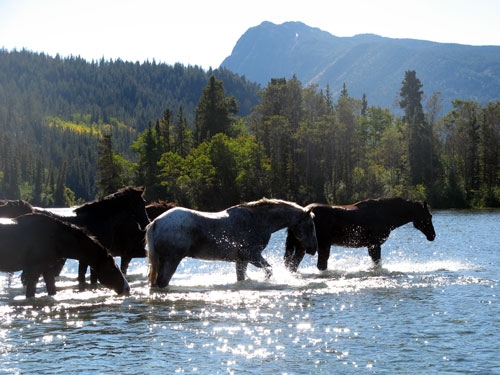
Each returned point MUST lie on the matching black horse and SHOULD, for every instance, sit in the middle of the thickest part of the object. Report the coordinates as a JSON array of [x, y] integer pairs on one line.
[[35, 243], [14, 208], [118, 221], [364, 224], [155, 209]]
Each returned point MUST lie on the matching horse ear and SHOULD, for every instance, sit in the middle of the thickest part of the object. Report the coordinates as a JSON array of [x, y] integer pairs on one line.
[[310, 212]]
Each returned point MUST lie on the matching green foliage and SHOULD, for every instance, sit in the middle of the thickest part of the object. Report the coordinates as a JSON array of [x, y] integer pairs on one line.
[[63, 105], [297, 144]]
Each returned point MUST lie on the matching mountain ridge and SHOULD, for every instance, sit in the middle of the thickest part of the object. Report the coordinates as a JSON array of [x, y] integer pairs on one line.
[[367, 63]]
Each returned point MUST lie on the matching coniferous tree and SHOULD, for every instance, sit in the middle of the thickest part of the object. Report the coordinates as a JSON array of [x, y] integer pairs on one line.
[[183, 136], [60, 188], [343, 92], [214, 111], [38, 183], [420, 151], [109, 174]]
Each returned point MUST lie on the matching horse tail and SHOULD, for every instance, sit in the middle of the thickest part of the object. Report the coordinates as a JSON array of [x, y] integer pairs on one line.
[[153, 256]]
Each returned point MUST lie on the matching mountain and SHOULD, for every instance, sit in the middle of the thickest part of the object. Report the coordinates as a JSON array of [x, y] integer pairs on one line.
[[367, 63]]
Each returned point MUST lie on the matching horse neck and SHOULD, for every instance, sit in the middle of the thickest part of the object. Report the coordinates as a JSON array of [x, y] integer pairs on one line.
[[81, 247], [279, 217], [402, 214]]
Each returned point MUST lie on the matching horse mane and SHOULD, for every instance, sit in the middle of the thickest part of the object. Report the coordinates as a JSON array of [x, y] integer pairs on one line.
[[399, 201], [271, 202], [109, 201], [161, 204]]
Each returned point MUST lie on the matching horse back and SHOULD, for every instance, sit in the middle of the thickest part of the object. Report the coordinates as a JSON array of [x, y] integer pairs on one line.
[[29, 241], [348, 225]]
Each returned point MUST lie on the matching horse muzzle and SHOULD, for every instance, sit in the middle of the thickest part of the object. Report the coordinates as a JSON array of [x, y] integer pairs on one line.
[[124, 290]]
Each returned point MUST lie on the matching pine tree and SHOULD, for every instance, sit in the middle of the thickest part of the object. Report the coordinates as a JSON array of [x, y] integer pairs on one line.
[[183, 137], [109, 174], [214, 111], [420, 133], [38, 182], [343, 92], [60, 188]]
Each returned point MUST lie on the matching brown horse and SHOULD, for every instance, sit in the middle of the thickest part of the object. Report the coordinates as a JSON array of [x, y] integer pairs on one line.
[[364, 224], [14, 208], [118, 221], [155, 209], [35, 243]]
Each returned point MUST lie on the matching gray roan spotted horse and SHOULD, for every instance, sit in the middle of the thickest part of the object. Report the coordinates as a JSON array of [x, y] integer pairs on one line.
[[238, 234]]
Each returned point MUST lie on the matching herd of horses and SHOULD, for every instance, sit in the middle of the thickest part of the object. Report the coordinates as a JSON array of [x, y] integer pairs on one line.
[[38, 242]]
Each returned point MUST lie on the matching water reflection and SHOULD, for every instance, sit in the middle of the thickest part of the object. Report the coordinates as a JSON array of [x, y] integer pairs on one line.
[[431, 307]]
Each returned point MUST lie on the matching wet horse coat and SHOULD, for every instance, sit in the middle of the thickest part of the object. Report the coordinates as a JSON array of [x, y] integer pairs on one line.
[[238, 234], [35, 243], [364, 224], [118, 221], [14, 208]]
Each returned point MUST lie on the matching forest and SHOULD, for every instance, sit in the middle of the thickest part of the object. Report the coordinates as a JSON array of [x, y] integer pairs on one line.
[[225, 147]]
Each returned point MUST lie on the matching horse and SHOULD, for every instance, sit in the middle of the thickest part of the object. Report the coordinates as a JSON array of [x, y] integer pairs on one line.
[[14, 208], [364, 224], [238, 234], [155, 209], [34, 243], [118, 221]]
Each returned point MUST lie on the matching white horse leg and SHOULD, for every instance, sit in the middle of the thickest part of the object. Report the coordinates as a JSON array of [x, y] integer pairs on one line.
[[166, 271]]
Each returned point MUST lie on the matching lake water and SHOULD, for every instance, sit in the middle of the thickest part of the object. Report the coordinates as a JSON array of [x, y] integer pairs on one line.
[[433, 307]]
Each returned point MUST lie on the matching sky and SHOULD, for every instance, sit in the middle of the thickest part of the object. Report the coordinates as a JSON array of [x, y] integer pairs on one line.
[[204, 32]]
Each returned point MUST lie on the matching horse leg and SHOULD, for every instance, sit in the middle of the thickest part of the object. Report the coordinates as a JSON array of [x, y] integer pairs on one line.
[[241, 270], [166, 271], [31, 278], [93, 277], [294, 253], [323, 256], [260, 262], [59, 266], [82, 271], [124, 264], [375, 251], [50, 281]]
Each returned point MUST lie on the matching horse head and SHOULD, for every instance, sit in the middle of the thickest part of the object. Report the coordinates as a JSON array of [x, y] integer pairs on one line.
[[136, 205], [423, 221], [109, 275], [305, 231]]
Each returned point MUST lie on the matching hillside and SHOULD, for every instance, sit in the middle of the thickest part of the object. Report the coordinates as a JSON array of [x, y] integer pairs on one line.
[[368, 64], [52, 110]]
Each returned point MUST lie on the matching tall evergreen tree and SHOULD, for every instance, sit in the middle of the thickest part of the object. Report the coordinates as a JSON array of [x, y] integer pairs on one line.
[[420, 148], [60, 188], [183, 136], [214, 111], [108, 172], [38, 183]]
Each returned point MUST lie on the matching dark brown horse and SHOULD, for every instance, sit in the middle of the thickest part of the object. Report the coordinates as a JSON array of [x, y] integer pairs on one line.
[[35, 243], [118, 221], [155, 209], [364, 224], [14, 208]]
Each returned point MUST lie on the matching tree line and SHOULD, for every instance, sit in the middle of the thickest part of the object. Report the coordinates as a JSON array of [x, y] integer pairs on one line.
[[301, 145], [54, 110], [224, 147]]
